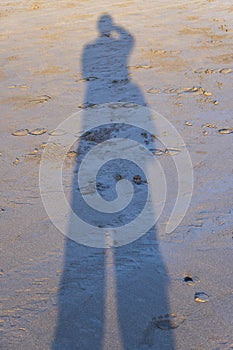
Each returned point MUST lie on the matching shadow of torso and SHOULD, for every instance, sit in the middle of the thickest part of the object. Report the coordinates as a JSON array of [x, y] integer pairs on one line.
[[105, 68]]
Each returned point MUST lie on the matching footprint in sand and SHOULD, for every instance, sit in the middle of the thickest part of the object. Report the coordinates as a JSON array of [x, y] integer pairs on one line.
[[163, 322], [20, 132], [201, 297], [38, 131], [190, 280], [225, 131]]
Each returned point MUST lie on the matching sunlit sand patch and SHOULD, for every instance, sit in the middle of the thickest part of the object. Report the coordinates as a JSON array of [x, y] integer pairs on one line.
[[51, 70], [17, 101], [70, 4], [152, 53], [17, 86], [124, 4], [225, 58], [82, 16], [52, 37], [191, 31], [2, 75], [192, 18], [12, 58]]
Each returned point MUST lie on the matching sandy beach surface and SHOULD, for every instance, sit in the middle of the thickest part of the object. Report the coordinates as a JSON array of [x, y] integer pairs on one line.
[[58, 294]]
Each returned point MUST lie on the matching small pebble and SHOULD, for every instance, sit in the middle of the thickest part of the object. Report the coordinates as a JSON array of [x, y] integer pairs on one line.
[[225, 70], [118, 177], [20, 132], [86, 105], [158, 152], [146, 66], [16, 161], [207, 93], [137, 179], [91, 78], [43, 145], [71, 154], [201, 297], [210, 125], [209, 71], [171, 151], [38, 131], [35, 151]]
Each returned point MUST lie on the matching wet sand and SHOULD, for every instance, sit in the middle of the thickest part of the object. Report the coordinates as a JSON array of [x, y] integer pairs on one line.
[[56, 294]]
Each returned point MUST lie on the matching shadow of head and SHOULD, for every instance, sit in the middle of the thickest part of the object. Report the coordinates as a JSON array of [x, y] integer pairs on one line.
[[105, 24]]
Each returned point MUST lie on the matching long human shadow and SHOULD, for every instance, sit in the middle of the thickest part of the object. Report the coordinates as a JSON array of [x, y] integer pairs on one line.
[[112, 298]]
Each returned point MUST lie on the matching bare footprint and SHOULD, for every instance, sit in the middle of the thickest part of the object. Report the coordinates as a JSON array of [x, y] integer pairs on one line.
[[162, 322]]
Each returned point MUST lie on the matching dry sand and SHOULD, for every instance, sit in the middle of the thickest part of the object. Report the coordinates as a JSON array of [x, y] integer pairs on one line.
[[56, 294]]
